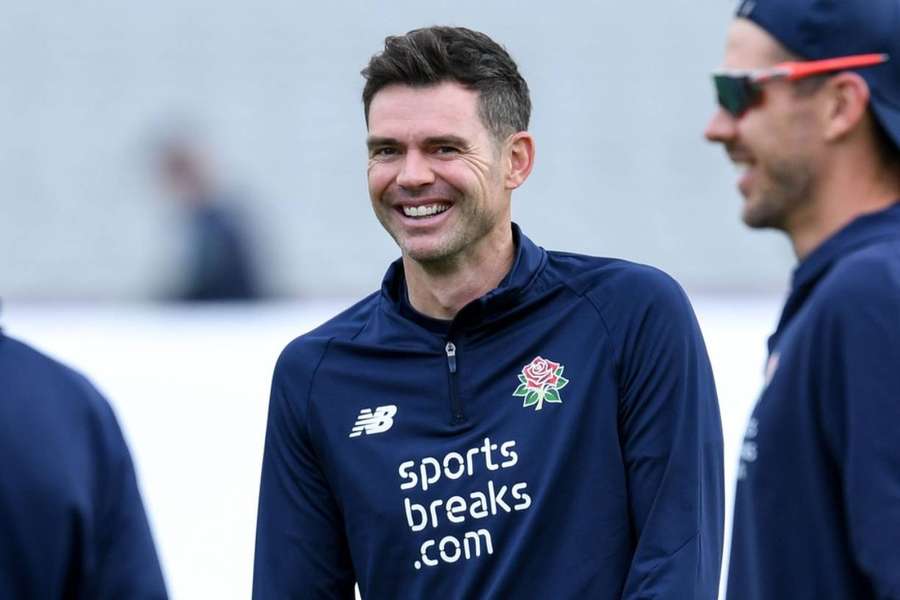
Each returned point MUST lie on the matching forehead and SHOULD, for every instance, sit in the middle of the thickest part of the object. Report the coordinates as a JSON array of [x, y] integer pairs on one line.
[[444, 108], [749, 46]]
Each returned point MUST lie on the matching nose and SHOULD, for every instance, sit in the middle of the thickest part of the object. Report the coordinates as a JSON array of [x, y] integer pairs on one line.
[[721, 127], [415, 171]]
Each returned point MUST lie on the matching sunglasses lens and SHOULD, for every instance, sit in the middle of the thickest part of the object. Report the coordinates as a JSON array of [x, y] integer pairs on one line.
[[735, 94]]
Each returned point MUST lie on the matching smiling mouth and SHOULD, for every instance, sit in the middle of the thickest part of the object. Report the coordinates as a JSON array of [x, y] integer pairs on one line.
[[426, 210]]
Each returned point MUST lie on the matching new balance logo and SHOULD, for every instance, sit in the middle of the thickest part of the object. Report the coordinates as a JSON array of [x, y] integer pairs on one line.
[[378, 422]]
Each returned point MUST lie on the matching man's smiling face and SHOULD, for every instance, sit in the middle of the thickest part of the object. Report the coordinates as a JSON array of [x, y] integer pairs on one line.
[[435, 173]]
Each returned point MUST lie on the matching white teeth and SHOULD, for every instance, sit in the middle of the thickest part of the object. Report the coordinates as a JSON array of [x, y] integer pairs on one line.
[[424, 211]]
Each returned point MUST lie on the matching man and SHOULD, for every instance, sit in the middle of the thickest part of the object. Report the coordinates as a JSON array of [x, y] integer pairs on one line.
[[498, 421], [72, 524], [810, 100], [219, 263]]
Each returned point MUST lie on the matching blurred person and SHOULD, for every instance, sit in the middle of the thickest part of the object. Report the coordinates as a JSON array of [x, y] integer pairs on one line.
[[220, 263], [72, 523], [498, 421], [810, 112]]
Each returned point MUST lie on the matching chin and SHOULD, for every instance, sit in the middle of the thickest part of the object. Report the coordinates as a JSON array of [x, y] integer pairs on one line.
[[758, 215]]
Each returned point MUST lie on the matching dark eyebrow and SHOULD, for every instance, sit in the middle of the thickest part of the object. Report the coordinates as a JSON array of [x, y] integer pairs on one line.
[[446, 140], [375, 141]]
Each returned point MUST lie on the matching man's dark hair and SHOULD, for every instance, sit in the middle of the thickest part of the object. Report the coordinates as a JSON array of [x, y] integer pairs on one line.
[[888, 151], [428, 56]]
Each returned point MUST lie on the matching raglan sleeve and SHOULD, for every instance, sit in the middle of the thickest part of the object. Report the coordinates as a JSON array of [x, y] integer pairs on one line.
[[301, 549], [127, 565], [671, 439], [860, 391]]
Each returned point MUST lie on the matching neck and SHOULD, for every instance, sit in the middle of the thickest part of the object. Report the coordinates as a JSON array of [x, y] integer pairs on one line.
[[440, 290], [843, 194]]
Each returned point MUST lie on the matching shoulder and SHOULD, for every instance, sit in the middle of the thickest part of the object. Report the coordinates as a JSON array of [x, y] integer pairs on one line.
[[867, 280], [615, 284], [302, 355], [41, 383]]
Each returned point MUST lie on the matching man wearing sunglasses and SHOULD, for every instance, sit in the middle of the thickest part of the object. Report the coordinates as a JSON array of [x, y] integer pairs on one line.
[[810, 111]]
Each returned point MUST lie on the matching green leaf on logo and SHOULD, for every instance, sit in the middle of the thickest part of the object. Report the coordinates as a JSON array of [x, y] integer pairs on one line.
[[560, 370], [552, 395], [521, 390], [531, 399], [561, 383], [522, 378]]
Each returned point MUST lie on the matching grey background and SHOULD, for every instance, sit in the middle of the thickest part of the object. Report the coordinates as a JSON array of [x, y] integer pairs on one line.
[[621, 96]]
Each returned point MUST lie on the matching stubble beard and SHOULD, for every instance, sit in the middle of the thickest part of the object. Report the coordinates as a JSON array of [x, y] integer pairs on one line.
[[788, 186], [468, 226]]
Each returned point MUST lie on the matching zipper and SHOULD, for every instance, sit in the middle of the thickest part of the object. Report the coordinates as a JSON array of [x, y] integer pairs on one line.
[[455, 403]]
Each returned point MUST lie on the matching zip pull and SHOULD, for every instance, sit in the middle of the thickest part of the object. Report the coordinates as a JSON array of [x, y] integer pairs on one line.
[[450, 348]]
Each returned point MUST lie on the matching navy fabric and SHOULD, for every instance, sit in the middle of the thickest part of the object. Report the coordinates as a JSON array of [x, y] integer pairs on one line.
[[608, 488], [220, 264], [817, 513], [817, 29], [72, 524]]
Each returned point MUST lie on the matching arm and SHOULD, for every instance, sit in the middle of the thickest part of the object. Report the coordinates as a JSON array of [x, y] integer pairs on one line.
[[671, 440], [127, 565], [861, 389], [301, 550]]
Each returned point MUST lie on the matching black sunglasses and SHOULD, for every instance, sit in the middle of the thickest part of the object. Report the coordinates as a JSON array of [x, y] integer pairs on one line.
[[738, 91]]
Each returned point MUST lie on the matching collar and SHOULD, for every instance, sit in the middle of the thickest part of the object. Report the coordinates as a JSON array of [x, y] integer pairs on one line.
[[529, 261], [859, 233], [862, 231]]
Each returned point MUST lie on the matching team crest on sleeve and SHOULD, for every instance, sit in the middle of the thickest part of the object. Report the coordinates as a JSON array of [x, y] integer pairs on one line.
[[540, 381]]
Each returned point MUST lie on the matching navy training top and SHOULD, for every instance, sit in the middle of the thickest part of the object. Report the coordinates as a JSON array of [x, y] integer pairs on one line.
[[817, 512], [72, 524], [560, 438]]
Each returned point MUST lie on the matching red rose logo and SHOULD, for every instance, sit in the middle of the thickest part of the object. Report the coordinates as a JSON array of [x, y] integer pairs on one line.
[[540, 381], [541, 373]]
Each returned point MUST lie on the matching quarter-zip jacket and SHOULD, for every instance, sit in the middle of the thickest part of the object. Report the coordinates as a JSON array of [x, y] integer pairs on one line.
[[72, 524], [817, 512], [560, 438]]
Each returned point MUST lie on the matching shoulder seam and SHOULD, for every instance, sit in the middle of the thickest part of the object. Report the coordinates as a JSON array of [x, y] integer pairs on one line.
[[312, 378], [365, 323], [612, 339]]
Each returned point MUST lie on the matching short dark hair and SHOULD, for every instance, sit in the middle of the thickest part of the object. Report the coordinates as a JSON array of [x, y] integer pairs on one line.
[[428, 56], [888, 151]]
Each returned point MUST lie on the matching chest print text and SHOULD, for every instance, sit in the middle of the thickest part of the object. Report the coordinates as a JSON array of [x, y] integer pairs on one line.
[[487, 503]]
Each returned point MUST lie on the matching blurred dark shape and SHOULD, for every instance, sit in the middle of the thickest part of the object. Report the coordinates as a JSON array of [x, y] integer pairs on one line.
[[72, 523], [219, 264]]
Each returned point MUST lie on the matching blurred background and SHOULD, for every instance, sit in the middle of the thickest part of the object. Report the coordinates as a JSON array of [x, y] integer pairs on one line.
[[158, 154]]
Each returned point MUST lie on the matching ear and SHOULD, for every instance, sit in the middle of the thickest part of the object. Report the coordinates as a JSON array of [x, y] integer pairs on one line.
[[846, 106], [519, 157]]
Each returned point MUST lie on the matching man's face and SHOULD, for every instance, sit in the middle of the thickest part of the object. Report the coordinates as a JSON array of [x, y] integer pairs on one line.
[[774, 143], [436, 175]]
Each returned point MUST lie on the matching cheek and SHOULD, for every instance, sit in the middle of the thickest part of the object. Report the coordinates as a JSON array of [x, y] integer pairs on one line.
[[379, 178]]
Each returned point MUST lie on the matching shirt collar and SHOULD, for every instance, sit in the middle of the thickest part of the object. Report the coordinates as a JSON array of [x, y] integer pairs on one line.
[[860, 232], [528, 262]]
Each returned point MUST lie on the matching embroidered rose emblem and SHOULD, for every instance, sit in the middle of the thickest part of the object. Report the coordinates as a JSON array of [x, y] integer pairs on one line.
[[540, 373], [540, 381]]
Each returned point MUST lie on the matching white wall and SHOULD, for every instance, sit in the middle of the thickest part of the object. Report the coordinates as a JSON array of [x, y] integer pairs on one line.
[[620, 89]]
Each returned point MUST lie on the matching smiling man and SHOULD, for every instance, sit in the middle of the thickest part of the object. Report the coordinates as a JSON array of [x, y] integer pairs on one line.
[[498, 421], [810, 110]]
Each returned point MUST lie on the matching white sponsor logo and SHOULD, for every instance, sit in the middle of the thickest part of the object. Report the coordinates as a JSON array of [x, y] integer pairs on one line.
[[378, 422]]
